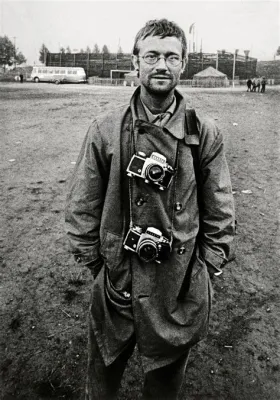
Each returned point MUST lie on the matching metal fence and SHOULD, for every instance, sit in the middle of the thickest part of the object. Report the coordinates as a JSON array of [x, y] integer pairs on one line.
[[105, 81], [185, 83]]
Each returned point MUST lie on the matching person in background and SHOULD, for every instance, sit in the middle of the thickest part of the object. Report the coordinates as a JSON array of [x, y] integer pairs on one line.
[[21, 77], [263, 84], [254, 84], [150, 212], [258, 84], [249, 84]]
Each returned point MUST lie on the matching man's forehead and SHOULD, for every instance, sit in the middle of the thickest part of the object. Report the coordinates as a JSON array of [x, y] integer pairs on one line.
[[157, 43]]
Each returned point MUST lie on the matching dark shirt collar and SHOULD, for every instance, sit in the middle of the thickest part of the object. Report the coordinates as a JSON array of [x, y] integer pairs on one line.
[[169, 112]]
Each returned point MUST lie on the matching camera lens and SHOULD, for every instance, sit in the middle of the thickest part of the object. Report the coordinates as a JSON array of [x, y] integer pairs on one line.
[[147, 250], [155, 172]]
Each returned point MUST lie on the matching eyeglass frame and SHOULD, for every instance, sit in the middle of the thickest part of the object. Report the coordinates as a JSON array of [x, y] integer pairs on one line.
[[161, 57]]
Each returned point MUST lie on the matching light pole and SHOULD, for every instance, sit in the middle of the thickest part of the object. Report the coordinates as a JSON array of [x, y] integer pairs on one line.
[[233, 70], [15, 63]]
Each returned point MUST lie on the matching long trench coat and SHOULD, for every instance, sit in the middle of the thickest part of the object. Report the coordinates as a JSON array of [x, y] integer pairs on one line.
[[171, 301]]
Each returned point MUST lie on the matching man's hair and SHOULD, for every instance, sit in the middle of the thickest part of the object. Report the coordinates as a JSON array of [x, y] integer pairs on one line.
[[162, 28]]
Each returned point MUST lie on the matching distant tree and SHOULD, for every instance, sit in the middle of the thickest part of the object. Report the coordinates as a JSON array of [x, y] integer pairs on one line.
[[88, 49], [96, 49], [20, 59], [278, 51], [62, 50], [8, 53], [68, 50], [82, 50], [43, 51], [105, 49]]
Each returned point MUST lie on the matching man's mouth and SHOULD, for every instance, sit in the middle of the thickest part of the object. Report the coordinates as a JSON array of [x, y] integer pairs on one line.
[[162, 77]]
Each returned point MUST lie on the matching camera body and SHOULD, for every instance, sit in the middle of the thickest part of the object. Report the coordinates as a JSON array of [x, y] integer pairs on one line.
[[150, 245], [153, 169]]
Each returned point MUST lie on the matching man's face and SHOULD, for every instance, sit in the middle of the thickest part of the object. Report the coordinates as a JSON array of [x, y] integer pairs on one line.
[[159, 78]]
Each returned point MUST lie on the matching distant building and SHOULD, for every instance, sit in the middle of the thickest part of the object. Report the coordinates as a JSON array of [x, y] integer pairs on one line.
[[101, 64], [210, 77], [132, 78], [269, 69], [245, 66], [94, 64]]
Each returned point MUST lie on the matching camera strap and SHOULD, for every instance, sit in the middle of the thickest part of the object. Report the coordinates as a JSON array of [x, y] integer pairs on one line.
[[192, 129]]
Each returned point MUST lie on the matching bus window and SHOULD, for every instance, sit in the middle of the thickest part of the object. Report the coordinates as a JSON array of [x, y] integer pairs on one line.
[[39, 71], [56, 71], [75, 72], [45, 71], [70, 72], [62, 72]]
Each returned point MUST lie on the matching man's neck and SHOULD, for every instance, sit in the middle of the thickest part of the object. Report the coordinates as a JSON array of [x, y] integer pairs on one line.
[[156, 104]]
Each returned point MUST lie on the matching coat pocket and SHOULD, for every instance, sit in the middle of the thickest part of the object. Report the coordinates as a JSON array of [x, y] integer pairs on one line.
[[193, 304], [195, 283]]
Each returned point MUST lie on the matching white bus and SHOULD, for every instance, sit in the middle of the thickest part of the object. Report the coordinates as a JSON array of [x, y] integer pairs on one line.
[[58, 74]]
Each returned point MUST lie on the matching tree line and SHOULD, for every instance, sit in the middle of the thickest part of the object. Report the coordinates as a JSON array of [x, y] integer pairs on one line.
[[9, 53]]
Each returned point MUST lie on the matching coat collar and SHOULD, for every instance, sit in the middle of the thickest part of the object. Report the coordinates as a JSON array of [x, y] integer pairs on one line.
[[178, 126]]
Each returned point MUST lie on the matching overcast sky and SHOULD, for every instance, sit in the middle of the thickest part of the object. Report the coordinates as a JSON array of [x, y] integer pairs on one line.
[[244, 25]]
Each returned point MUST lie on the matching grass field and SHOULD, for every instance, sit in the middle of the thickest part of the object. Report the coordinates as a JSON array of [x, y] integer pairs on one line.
[[44, 296]]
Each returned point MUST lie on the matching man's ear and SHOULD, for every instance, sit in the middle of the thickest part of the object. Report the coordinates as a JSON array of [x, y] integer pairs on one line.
[[135, 62]]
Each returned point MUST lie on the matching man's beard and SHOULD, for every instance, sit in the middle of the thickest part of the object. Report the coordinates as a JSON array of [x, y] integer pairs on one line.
[[161, 91]]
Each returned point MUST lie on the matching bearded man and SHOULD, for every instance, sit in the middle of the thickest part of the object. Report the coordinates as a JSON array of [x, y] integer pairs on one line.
[[150, 211]]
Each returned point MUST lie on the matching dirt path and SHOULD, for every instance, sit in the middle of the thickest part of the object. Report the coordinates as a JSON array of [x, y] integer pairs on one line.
[[44, 296]]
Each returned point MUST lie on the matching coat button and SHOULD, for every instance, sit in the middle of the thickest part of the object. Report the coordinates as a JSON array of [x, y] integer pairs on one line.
[[140, 201], [178, 206], [141, 131], [181, 250]]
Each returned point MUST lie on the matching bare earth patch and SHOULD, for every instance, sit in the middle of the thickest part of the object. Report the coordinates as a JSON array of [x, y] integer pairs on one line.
[[44, 296]]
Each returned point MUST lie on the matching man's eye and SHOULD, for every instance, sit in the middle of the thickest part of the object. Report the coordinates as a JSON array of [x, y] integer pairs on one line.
[[174, 58], [150, 57]]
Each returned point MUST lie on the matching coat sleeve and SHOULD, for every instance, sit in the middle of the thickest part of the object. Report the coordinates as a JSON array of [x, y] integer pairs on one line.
[[218, 216], [85, 199]]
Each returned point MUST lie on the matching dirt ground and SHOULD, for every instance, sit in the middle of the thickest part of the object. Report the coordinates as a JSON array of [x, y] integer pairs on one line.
[[44, 296]]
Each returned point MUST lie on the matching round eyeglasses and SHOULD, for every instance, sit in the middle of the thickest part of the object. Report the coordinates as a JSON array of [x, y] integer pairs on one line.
[[173, 60]]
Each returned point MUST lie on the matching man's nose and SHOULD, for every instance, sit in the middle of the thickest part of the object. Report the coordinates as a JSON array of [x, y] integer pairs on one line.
[[161, 64]]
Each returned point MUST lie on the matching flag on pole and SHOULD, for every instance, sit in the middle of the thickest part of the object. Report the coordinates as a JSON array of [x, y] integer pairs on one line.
[[191, 28]]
